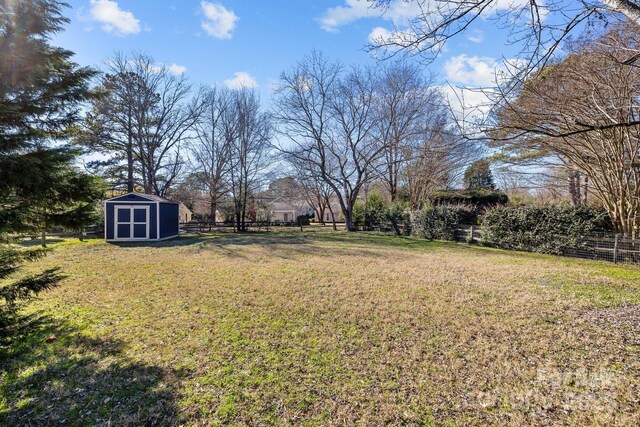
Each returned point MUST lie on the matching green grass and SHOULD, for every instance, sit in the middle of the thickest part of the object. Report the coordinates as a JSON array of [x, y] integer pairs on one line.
[[324, 328]]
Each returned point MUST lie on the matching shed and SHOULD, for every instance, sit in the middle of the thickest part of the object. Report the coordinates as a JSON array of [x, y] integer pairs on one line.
[[140, 217]]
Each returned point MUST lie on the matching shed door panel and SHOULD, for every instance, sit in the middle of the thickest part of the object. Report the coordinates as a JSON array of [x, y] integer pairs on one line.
[[140, 231], [140, 215], [132, 222], [124, 231], [124, 214]]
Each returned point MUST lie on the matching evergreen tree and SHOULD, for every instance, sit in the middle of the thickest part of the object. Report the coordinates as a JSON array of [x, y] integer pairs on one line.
[[40, 94], [478, 176]]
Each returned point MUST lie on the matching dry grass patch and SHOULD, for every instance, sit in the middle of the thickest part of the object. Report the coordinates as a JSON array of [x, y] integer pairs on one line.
[[326, 329]]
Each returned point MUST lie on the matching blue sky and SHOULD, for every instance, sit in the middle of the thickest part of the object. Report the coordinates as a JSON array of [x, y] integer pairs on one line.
[[251, 42]]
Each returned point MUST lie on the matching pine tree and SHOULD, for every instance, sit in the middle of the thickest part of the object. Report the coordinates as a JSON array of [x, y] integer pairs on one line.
[[40, 94], [478, 176]]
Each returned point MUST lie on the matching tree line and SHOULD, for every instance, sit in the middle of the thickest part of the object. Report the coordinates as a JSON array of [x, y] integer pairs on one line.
[[335, 128]]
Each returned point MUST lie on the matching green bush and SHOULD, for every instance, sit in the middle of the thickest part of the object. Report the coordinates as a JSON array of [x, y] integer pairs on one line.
[[303, 220], [480, 198], [375, 212], [546, 229], [478, 201], [398, 215], [440, 221]]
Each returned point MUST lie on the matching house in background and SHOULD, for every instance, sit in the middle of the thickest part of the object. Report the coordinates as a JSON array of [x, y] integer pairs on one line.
[[337, 216], [140, 217], [185, 213], [282, 210]]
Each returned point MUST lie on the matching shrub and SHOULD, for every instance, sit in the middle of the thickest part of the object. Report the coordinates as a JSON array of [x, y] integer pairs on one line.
[[303, 220], [397, 214], [478, 200], [546, 229], [440, 221], [375, 212], [481, 198]]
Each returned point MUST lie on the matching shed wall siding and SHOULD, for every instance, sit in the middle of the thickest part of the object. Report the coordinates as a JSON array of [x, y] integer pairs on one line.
[[169, 217]]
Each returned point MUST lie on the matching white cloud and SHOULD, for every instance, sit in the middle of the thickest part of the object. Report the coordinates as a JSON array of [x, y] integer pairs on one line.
[[471, 70], [240, 80], [468, 104], [337, 16], [113, 19], [380, 35], [400, 12], [219, 21], [176, 69], [481, 71], [472, 90], [476, 36]]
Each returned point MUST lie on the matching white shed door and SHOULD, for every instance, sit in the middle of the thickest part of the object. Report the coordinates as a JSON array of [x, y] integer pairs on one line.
[[131, 222]]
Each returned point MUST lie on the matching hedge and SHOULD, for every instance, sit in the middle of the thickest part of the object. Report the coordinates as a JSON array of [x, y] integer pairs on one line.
[[441, 221], [548, 228], [479, 198]]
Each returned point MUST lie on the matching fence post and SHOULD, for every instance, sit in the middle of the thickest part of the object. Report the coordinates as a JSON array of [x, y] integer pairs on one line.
[[615, 248], [471, 239]]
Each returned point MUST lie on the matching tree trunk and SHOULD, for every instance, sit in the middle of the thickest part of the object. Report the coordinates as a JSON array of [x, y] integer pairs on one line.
[[348, 220], [43, 239], [212, 213], [574, 187], [333, 218], [586, 189], [129, 155], [320, 212]]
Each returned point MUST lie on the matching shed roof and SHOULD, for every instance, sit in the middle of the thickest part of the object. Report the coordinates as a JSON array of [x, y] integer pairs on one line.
[[150, 197]]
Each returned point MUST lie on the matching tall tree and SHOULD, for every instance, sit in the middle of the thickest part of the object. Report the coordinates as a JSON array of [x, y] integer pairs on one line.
[[143, 118], [211, 148], [584, 109], [327, 114], [404, 99], [478, 176], [437, 160], [249, 133], [109, 126], [40, 94]]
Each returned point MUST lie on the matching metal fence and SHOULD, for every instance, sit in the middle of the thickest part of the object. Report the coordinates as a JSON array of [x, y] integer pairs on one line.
[[597, 246]]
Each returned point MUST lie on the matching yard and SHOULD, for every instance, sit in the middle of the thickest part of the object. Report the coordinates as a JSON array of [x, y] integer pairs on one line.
[[324, 328]]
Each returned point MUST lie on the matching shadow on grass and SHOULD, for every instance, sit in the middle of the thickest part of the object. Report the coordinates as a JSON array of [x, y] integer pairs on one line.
[[28, 243], [79, 380]]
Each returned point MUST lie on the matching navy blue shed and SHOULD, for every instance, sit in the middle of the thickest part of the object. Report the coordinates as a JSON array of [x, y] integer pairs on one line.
[[140, 217]]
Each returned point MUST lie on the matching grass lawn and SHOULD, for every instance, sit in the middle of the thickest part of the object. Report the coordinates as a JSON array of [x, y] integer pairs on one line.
[[324, 328]]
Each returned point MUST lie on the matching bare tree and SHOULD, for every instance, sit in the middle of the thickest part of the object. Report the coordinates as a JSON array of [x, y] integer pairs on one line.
[[211, 148], [439, 160], [537, 27], [314, 190], [327, 114], [248, 131], [584, 109], [404, 99]]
